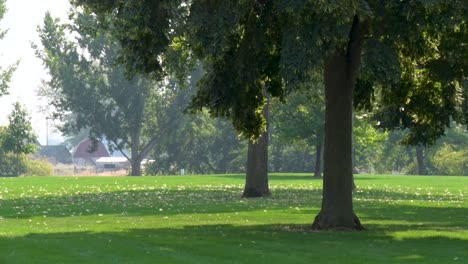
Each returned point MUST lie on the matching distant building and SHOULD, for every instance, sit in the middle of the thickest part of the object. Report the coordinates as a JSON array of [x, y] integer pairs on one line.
[[82, 155], [55, 154], [112, 163]]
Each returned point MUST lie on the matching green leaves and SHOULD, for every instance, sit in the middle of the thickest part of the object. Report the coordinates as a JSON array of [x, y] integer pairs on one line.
[[5, 77], [247, 46], [234, 82], [89, 89], [19, 136], [143, 29], [301, 117], [5, 74]]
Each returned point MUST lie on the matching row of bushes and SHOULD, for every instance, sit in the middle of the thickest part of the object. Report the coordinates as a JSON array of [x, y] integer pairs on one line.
[[10, 165]]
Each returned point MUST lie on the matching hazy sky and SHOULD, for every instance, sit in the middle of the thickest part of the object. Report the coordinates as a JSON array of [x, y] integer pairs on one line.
[[21, 20]]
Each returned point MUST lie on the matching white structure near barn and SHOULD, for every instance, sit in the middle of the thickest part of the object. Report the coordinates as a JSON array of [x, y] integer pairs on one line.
[[112, 163]]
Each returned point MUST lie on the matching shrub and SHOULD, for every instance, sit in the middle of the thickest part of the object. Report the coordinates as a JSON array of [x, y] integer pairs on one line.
[[38, 167], [10, 165], [450, 161]]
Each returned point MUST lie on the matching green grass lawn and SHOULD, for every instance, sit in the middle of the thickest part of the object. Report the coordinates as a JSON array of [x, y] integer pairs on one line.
[[202, 219]]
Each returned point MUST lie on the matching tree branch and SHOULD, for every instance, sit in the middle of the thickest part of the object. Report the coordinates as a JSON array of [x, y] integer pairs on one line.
[[152, 143], [355, 45], [121, 151]]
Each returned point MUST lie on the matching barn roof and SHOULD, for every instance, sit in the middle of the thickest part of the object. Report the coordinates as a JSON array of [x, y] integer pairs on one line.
[[83, 148]]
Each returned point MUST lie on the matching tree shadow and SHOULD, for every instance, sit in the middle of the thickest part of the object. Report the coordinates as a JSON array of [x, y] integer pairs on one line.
[[297, 177], [371, 206], [128, 202], [229, 244], [276, 177]]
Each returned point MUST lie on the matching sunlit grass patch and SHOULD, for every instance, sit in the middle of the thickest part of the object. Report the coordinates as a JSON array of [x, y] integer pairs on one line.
[[202, 219]]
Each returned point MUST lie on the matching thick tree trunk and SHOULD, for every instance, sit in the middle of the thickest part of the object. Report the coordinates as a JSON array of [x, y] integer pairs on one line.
[[420, 159], [136, 155], [318, 160], [136, 167], [340, 75], [256, 180]]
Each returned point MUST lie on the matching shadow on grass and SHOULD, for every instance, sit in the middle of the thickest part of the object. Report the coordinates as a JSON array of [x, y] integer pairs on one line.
[[295, 177], [276, 177], [169, 202], [290, 177], [229, 244]]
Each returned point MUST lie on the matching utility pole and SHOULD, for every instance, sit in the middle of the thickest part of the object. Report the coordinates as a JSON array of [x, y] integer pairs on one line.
[[47, 131]]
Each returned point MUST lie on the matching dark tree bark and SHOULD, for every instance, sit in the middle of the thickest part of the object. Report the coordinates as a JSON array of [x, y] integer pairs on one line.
[[140, 152], [136, 158], [256, 180], [420, 159], [318, 160], [340, 75], [136, 167]]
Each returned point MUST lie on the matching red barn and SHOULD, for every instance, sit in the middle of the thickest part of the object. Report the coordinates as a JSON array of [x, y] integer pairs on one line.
[[83, 157]]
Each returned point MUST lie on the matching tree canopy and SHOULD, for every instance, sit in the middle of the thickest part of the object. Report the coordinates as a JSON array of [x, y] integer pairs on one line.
[[18, 137], [302, 119], [5, 74], [89, 90]]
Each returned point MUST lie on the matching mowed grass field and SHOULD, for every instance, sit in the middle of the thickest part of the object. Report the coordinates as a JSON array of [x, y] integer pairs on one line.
[[202, 219]]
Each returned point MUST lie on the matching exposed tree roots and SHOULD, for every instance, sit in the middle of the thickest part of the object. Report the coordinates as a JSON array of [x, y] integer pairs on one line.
[[324, 222], [255, 193]]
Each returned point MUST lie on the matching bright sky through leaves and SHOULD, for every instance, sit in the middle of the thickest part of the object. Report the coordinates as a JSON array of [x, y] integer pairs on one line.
[[21, 20]]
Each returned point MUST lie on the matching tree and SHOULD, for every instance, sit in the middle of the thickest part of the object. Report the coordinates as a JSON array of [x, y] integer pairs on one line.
[[256, 178], [88, 89], [235, 86], [198, 144], [141, 26], [287, 156], [383, 38], [368, 144], [446, 157], [19, 136], [450, 160], [5, 74], [8, 163], [395, 43], [301, 118], [451, 156]]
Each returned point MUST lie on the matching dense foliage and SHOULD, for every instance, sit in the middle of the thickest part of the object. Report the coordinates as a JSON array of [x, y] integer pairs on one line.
[[18, 137], [5, 74], [195, 143], [17, 140], [90, 91]]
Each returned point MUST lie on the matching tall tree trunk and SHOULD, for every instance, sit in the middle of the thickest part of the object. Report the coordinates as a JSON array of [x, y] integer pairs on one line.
[[340, 75], [318, 160], [256, 180], [136, 167], [136, 155], [17, 164], [420, 159]]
